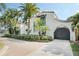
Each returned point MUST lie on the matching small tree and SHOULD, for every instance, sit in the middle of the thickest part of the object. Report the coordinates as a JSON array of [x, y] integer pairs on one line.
[[10, 18], [39, 25]]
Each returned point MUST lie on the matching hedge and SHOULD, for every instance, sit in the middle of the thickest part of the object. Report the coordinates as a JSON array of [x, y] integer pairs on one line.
[[29, 37]]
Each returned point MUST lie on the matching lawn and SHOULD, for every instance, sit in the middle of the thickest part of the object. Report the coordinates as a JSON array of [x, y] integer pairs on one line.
[[1, 45], [75, 49]]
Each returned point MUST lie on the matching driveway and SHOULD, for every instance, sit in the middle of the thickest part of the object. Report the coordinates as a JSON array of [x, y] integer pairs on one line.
[[23, 48], [19, 47], [55, 48]]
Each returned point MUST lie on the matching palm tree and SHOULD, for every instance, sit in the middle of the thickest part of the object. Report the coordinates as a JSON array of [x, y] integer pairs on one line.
[[29, 9], [75, 24], [10, 18]]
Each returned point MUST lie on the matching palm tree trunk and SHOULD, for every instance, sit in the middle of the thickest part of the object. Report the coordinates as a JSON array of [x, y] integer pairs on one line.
[[78, 34], [28, 26]]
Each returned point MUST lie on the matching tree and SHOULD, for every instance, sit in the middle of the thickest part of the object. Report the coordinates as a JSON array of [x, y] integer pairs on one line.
[[10, 18], [29, 9], [74, 19], [75, 24], [39, 25]]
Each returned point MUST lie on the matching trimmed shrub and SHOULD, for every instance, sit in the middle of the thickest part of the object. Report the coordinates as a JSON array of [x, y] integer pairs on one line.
[[29, 37]]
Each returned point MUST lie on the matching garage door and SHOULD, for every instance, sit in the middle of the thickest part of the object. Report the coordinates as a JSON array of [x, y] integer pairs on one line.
[[62, 33]]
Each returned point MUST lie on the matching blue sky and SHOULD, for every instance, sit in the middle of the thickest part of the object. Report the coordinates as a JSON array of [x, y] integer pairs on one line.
[[62, 10]]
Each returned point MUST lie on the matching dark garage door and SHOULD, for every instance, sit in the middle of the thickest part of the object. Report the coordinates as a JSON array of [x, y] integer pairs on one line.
[[62, 33]]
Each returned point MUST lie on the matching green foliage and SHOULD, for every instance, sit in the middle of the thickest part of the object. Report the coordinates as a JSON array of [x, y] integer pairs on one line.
[[47, 38], [10, 18], [11, 31], [30, 37], [75, 49], [16, 30], [77, 25], [39, 25], [29, 9], [74, 19]]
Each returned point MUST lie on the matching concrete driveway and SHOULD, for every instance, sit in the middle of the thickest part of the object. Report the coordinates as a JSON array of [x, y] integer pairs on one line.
[[55, 48], [25, 48], [19, 47]]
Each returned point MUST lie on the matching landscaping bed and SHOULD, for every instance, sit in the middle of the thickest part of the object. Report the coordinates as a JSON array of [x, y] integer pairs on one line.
[[30, 37], [75, 48]]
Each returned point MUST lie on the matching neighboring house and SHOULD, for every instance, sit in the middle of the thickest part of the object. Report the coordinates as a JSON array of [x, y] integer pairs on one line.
[[58, 29]]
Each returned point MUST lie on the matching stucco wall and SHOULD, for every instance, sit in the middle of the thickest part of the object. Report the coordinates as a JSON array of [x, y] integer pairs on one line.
[[23, 28]]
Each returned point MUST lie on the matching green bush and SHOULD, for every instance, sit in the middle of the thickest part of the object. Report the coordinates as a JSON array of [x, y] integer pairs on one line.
[[75, 48], [29, 37], [47, 38]]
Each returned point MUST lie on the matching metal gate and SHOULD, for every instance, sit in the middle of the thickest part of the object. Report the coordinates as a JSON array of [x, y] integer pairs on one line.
[[62, 33]]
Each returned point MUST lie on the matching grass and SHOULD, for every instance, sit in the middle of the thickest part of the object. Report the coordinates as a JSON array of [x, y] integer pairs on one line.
[[1, 45], [75, 48]]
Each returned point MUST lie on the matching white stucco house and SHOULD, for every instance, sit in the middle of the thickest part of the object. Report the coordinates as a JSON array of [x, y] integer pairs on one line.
[[58, 29]]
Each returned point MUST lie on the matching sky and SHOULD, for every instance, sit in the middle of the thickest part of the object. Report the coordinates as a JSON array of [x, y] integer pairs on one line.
[[62, 10]]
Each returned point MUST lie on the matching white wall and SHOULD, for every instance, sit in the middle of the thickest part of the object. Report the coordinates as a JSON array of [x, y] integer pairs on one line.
[[32, 26], [23, 28]]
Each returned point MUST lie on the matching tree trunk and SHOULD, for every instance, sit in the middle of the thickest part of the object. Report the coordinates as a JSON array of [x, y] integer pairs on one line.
[[28, 26], [40, 35], [77, 34], [11, 31]]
